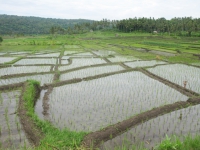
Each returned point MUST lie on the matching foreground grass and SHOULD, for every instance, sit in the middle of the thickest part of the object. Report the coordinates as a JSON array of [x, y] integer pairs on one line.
[[53, 138], [169, 143], [174, 143]]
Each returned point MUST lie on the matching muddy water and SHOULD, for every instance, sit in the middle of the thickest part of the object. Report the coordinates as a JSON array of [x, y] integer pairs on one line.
[[12, 135], [39, 105], [92, 105], [150, 133]]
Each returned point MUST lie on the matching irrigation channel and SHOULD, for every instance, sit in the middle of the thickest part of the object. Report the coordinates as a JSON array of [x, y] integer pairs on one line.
[[119, 100]]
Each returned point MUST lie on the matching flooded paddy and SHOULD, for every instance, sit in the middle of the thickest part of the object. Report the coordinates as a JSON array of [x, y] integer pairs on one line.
[[39, 105], [180, 123], [2, 53], [104, 53], [45, 55], [80, 62], [92, 105], [144, 63], [46, 78], [118, 58], [18, 53], [23, 69], [6, 59], [90, 72], [36, 61], [71, 52], [83, 54], [179, 73], [11, 132], [162, 53]]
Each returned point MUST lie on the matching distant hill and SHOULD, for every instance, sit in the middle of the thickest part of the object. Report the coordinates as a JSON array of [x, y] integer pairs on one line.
[[10, 24]]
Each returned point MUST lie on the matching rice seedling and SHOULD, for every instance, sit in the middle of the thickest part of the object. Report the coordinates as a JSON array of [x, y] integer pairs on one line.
[[90, 72], [106, 95], [23, 69], [179, 73], [46, 78], [10, 127], [80, 62], [156, 129]]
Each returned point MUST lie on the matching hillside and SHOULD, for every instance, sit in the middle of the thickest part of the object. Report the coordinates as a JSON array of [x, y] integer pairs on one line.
[[10, 24]]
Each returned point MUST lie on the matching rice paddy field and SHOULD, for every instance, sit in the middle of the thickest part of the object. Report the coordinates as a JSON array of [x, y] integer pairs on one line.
[[104, 93]]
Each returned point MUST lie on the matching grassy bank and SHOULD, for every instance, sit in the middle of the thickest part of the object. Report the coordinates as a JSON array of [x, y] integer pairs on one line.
[[54, 138]]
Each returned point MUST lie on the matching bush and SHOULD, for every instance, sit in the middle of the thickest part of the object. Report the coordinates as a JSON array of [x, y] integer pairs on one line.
[[1, 39]]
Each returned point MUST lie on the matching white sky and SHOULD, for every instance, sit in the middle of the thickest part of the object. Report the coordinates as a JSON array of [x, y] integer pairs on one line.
[[99, 9]]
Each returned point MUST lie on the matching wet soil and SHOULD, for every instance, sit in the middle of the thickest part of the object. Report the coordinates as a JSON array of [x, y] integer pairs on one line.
[[46, 102], [11, 86]]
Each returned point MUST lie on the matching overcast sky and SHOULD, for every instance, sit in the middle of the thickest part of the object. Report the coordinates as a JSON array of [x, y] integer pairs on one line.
[[99, 9]]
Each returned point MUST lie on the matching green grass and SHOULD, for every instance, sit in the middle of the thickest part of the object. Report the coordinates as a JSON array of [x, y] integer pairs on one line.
[[53, 137], [174, 143]]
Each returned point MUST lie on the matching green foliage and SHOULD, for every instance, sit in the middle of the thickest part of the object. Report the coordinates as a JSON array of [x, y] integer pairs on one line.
[[185, 26], [174, 143], [1, 39]]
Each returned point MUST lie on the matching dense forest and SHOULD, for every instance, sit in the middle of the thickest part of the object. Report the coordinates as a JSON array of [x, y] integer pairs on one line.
[[181, 26], [10, 24], [185, 26]]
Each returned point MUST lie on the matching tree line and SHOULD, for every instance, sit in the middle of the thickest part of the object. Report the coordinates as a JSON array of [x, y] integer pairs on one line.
[[178, 26], [185, 26], [11, 24]]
